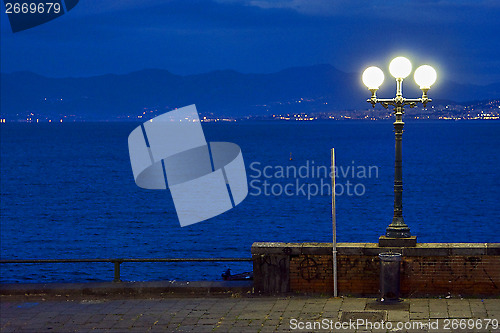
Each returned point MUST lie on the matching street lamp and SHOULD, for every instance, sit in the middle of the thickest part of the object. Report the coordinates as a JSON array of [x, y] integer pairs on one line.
[[398, 233]]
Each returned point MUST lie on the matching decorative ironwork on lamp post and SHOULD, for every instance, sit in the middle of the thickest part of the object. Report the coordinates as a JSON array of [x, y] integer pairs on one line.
[[373, 77]]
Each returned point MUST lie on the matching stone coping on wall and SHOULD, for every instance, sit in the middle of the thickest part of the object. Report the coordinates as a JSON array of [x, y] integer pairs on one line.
[[372, 249]]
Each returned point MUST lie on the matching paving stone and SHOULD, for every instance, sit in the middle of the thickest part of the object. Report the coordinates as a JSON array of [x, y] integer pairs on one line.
[[312, 308], [191, 321], [438, 314], [418, 315], [206, 321], [492, 307], [398, 316], [272, 322], [353, 304], [477, 305], [417, 326], [459, 308], [333, 300], [266, 314], [253, 315], [459, 313], [480, 315], [158, 329], [419, 310], [291, 314], [283, 327], [189, 328], [438, 304]]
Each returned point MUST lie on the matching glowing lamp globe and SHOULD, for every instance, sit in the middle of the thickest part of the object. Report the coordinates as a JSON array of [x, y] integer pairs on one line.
[[373, 77], [425, 76], [400, 67]]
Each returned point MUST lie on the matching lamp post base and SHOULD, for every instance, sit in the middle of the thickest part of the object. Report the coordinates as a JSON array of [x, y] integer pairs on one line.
[[385, 241]]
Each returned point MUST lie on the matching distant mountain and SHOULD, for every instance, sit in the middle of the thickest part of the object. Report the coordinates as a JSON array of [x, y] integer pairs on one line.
[[220, 93]]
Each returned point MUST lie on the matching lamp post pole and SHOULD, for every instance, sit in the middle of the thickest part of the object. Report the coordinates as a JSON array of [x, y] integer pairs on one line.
[[398, 227], [398, 233]]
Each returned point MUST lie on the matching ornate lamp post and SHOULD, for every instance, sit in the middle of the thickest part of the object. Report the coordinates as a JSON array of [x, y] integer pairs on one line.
[[398, 233]]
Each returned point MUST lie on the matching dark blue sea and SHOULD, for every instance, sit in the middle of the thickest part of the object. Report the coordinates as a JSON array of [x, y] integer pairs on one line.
[[67, 191]]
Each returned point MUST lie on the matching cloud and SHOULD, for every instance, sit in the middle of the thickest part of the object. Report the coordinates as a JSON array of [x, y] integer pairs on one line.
[[403, 10], [94, 7], [310, 7], [258, 36]]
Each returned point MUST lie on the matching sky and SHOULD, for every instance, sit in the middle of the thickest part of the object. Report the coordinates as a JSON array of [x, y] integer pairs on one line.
[[459, 38]]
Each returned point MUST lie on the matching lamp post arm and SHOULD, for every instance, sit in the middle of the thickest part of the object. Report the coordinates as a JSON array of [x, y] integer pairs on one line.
[[412, 102], [385, 102]]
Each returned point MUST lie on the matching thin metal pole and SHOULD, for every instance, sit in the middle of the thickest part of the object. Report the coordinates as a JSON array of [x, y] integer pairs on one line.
[[334, 227]]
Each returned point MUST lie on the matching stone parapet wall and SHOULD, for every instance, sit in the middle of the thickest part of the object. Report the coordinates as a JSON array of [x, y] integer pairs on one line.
[[466, 269]]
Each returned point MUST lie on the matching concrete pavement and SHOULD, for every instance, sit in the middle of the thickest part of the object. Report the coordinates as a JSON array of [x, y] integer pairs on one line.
[[247, 313]]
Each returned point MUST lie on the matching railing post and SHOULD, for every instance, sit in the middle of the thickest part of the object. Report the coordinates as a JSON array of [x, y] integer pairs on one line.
[[117, 271]]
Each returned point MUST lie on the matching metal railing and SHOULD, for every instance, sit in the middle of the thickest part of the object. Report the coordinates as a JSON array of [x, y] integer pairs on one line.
[[118, 261]]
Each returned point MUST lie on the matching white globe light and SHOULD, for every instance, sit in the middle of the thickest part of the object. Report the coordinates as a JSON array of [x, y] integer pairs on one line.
[[373, 77], [425, 76], [400, 67]]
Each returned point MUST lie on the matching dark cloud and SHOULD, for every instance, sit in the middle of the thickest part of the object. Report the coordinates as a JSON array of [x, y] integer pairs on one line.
[[185, 37]]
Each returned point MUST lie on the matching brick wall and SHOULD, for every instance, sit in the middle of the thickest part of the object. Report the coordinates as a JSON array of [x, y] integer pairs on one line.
[[428, 269]]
